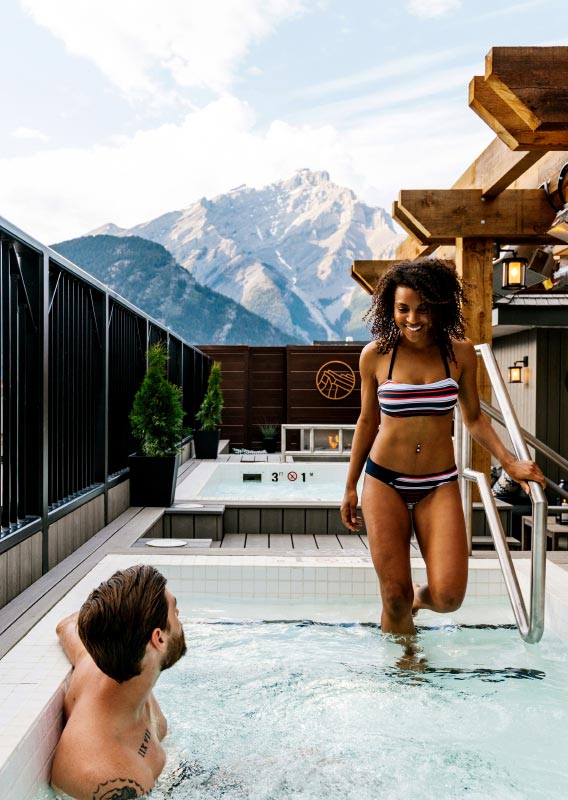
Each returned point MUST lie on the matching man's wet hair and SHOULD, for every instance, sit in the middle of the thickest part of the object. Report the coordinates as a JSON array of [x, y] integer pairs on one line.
[[117, 619]]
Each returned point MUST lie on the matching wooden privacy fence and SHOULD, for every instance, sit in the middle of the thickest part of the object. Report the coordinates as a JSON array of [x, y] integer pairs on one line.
[[293, 384]]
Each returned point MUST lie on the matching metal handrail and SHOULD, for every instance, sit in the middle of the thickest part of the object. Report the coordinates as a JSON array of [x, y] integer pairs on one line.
[[530, 626], [532, 440]]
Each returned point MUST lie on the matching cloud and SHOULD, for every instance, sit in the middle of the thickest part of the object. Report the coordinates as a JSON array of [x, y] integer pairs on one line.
[[58, 194], [396, 68], [30, 133], [415, 91], [432, 8], [143, 47]]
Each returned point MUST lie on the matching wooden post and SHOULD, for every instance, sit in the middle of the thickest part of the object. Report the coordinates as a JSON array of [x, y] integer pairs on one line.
[[474, 261]]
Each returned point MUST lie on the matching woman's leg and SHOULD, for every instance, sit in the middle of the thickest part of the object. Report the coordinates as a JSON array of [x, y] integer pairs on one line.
[[440, 530], [387, 521]]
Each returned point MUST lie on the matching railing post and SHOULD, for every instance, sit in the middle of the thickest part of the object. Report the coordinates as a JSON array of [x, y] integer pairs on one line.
[[283, 443], [104, 413], [44, 405], [463, 462]]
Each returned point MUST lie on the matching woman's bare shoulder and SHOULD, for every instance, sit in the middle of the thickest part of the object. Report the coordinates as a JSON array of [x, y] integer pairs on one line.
[[370, 348], [464, 350], [370, 358]]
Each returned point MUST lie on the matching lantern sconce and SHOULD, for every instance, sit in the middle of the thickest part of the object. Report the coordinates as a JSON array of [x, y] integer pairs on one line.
[[516, 371], [514, 272]]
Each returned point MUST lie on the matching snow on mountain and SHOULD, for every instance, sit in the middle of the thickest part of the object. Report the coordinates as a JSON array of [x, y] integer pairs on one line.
[[109, 229], [283, 251], [147, 275]]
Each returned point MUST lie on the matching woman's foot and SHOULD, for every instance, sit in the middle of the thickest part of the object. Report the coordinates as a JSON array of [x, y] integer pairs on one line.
[[412, 660], [416, 602]]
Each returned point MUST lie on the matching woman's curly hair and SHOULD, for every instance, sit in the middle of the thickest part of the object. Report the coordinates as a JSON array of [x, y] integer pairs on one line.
[[438, 284]]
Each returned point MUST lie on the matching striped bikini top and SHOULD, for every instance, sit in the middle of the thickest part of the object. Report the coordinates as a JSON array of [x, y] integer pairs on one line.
[[417, 400]]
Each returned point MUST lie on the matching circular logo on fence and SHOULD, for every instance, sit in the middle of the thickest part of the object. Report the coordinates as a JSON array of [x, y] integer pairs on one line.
[[335, 380], [292, 476]]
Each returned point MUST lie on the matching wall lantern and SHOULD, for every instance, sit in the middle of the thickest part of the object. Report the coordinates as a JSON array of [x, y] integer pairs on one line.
[[514, 271], [516, 371]]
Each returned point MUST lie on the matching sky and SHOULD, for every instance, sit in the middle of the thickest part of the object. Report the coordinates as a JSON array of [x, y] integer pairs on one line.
[[121, 111]]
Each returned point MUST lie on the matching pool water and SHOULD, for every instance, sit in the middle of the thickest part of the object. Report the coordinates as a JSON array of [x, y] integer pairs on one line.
[[271, 482], [274, 710]]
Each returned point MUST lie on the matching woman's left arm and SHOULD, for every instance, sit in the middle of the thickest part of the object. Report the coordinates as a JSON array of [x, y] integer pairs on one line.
[[480, 428]]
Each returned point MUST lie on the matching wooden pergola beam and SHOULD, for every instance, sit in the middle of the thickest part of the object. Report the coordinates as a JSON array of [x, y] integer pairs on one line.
[[496, 113], [524, 96], [440, 216], [533, 81], [508, 125], [496, 169], [409, 224], [367, 273]]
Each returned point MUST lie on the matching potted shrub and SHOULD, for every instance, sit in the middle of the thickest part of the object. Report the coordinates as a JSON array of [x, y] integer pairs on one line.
[[156, 419], [206, 437], [269, 432]]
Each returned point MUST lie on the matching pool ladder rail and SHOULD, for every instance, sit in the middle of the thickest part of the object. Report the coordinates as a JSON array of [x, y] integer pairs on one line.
[[531, 625]]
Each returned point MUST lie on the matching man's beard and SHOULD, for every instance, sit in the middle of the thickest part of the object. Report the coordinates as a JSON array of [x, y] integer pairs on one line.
[[176, 649]]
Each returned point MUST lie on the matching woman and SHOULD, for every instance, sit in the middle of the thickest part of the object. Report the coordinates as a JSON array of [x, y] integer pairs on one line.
[[415, 371]]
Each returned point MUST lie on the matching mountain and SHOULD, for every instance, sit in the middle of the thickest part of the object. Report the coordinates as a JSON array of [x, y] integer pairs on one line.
[[147, 275], [109, 229], [283, 251]]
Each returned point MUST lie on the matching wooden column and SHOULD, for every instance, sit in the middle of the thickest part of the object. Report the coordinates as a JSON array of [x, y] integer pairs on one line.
[[474, 261]]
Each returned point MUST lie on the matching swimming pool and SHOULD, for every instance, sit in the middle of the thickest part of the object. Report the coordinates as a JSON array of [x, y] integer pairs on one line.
[[277, 710], [240, 589], [272, 710], [254, 483]]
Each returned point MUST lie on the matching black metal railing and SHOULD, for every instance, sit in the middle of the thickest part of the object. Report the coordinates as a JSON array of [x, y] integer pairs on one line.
[[72, 356], [76, 352], [20, 384], [127, 363]]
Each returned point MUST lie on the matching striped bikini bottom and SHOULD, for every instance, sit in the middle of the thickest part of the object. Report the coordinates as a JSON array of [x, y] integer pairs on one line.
[[412, 488]]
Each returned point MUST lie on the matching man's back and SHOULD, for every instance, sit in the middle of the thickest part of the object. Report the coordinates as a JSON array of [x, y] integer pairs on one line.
[[110, 747], [105, 745]]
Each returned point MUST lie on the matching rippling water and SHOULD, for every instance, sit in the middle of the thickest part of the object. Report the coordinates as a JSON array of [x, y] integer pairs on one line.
[[268, 711]]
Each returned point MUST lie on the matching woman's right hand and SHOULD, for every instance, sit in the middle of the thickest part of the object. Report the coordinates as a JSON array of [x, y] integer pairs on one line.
[[349, 515]]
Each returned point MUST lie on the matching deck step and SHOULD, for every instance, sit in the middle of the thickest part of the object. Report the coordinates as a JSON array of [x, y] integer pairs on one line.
[[194, 521]]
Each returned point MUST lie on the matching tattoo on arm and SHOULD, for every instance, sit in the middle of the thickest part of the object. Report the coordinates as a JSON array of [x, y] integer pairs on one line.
[[119, 789], [143, 749]]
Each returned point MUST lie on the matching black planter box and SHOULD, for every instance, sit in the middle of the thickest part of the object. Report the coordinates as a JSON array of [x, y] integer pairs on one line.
[[269, 443], [206, 443], [153, 480]]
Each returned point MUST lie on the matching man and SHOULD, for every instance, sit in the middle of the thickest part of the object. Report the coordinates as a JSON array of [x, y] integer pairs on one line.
[[125, 634]]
